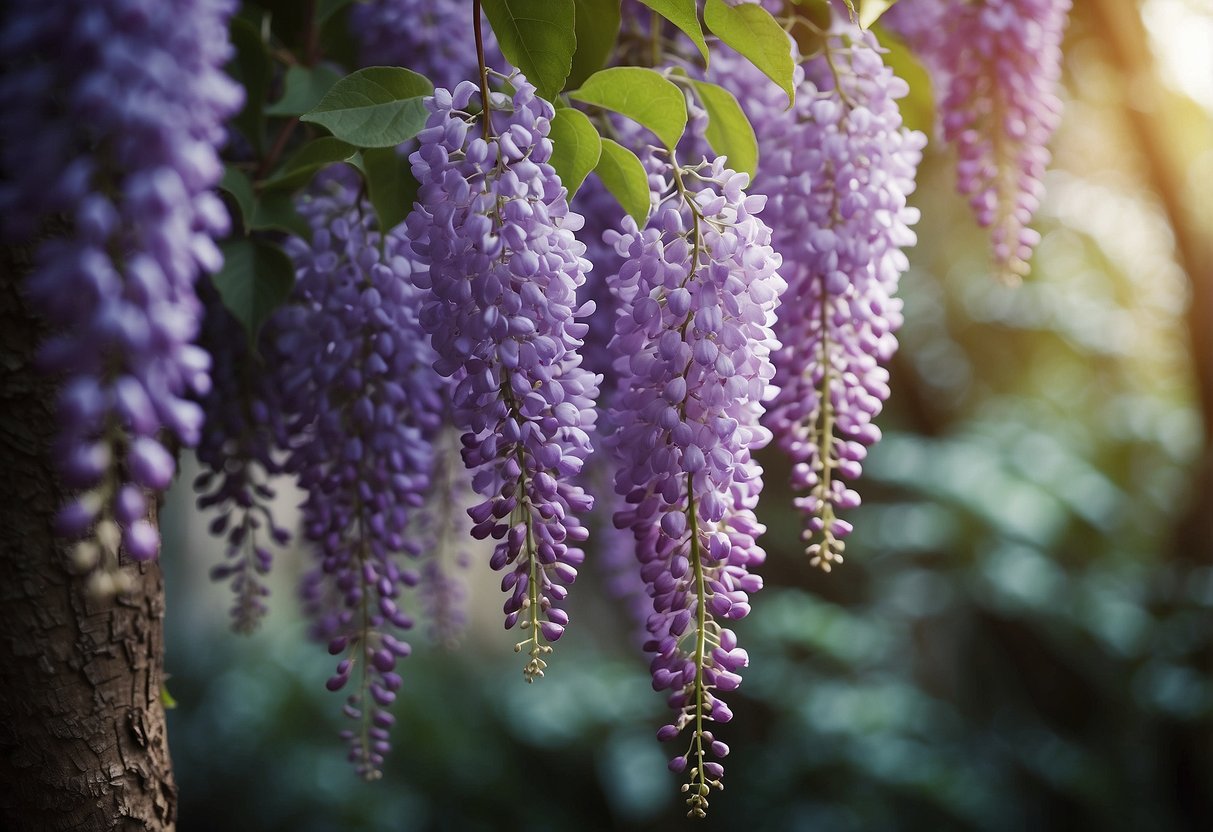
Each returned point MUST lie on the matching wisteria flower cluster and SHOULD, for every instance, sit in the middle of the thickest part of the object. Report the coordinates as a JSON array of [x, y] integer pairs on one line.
[[997, 64], [693, 339], [365, 405], [442, 380], [245, 427], [492, 223], [120, 142], [838, 168]]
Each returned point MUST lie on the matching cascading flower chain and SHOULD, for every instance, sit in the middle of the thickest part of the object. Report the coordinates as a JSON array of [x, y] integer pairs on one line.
[[697, 295]]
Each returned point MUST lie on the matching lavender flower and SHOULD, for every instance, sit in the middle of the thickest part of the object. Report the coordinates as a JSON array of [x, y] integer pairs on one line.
[[838, 168], [693, 340], [244, 426], [113, 110], [997, 64], [357, 380], [433, 37], [441, 528], [492, 223]]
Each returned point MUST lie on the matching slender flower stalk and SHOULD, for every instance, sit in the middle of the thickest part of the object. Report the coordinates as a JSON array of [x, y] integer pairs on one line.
[[838, 168], [365, 404], [493, 225], [692, 345], [244, 428]]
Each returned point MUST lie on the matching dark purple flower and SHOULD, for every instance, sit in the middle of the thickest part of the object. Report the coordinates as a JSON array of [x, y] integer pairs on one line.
[[113, 111], [364, 405]]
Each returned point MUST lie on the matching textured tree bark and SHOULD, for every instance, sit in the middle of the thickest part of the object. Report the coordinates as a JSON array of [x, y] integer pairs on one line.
[[83, 744]]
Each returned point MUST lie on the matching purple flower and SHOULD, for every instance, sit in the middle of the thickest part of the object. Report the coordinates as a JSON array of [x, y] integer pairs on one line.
[[244, 426], [997, 64], [492, 222], [441, 530], [838, 168], [364, 405], [433, 37], [113, 110], [697, 294]]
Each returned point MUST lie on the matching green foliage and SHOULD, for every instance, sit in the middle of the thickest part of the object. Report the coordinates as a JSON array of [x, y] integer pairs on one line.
[[867, 12], [643, 95], [750, 29], [236, 183], [918, 107], [275, 211], [729, 132], [537, 36], [309, 160], [304, 88], [597, 26], [623, 175], [374, 107], [576, 147], [252, 68], [255, 279], [391, 186], [682, 13]]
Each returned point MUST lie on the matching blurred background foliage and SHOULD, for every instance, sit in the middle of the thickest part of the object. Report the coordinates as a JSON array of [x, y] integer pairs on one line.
[[1022, 635]]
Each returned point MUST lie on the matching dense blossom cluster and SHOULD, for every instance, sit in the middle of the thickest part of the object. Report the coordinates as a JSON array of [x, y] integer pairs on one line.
[[492, 223], [693, 340], [997, 64], [364, 403], [244, 427], [433, 37], [838, 168], [120, 142], [432, 382]]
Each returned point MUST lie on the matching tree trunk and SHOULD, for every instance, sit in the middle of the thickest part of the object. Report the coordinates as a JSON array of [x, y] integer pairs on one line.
[[82, 730]]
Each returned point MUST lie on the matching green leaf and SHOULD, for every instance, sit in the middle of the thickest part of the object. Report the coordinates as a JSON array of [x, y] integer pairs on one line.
[[871, 10], [729, 132], [390, 185], [275, 211], [237, 183], [312, 157], [166, 698], [750, 29], [304, 89], [250, 66], [256, 278], [624, 177], [918, 107], [537, 36], [327, 8], [597, 27], [643, 95], [376, 107], [683, 15], [576, 147]]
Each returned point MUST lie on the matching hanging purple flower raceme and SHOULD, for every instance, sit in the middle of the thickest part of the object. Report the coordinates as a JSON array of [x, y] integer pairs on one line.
[[693, 343], [492, 223], [365, 404], [120, 142], [244, 427], [441, 529], [838, 168], [432, 37], [997, 64]]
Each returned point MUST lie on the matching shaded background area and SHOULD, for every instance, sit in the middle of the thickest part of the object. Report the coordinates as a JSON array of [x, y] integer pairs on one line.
[[1022, 635]]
